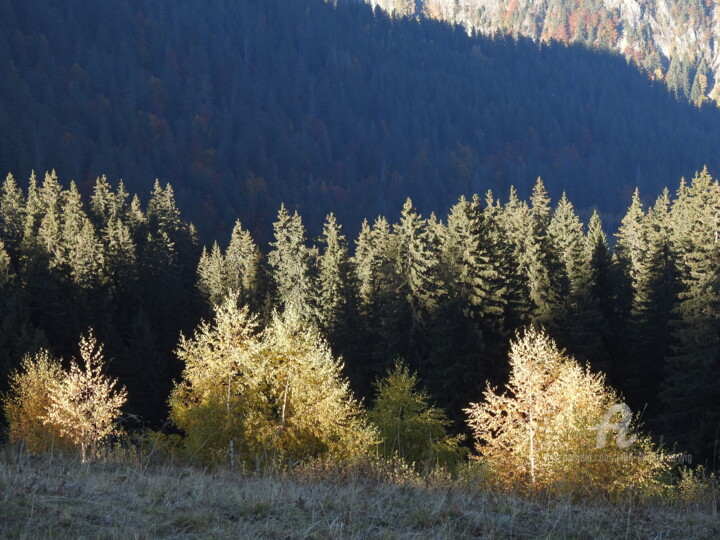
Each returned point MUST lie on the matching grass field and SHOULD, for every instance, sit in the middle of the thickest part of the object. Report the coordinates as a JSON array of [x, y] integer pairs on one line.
[[42, 497]]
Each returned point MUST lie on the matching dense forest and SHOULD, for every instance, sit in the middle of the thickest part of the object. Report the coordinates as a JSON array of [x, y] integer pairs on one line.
[[445, 294], [328, 108]]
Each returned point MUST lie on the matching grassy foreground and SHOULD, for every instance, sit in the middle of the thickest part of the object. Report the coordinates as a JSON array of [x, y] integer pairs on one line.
[[42, 497]]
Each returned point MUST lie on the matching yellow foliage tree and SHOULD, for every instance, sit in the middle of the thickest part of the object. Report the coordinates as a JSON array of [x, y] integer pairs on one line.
[[28, 402], [559, 428], [84, 404], [254, 397], [313, 412], [218, 404]]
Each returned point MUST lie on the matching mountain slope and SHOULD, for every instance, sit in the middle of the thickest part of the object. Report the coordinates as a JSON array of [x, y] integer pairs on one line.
[[243, 105], [672, 40]]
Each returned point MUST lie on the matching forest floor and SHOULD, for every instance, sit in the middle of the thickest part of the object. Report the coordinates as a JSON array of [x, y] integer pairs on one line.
[[62, 498]]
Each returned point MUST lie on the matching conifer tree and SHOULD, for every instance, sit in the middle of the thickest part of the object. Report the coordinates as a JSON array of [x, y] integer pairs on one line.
[[212, 275], [218, 404], [409, 427], [526, 243], [12, 215], [603, 292], [85, 404], [421, 289], [29, 401], [242, 261], [691, 390], [5, 267], [541, 432], [333, 282], [655, 292], [290, 260]]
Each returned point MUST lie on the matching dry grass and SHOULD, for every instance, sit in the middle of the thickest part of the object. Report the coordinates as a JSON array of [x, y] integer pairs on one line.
[[61, 498]]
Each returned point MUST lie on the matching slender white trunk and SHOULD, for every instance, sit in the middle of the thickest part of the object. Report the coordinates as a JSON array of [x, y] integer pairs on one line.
[[532, 449]]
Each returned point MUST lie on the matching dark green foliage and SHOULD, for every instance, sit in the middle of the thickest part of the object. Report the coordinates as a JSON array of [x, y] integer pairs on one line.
[[444, 294], [291, 260], [332, 107]]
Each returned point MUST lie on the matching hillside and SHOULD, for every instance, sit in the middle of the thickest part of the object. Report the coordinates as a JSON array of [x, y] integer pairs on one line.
[[673, 41], [328, 108]]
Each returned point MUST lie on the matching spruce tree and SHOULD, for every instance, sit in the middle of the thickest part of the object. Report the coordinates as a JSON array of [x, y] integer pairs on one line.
[[691, 389], [333, 282], [12, 215], [290, 260], [212, 275], [242, 264]]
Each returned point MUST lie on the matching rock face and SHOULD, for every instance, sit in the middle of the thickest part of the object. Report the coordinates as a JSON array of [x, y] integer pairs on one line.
[[672, 40]]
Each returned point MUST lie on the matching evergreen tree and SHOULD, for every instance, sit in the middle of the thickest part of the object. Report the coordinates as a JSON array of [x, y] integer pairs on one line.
[[242, 261], [691, 390], [12, 215], [212, 275], [5, 267], [290, 260], [526, 241], [409, 427], [579, 321], [420, 288], [654, 296], [333, 283]]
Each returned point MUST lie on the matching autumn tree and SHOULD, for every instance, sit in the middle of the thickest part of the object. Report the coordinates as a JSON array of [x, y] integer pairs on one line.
[[85, 403], [551, 429], [257, 398], [29, 401], [218, 404]]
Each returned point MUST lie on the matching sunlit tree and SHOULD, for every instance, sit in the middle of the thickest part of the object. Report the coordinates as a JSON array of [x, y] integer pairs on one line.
[[558, 427], [29, 400], [85, 404]]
